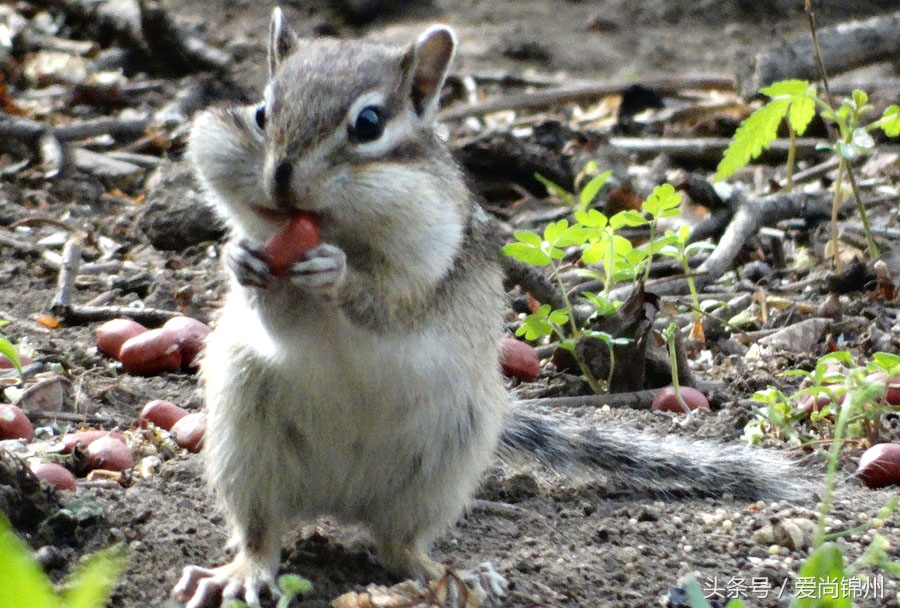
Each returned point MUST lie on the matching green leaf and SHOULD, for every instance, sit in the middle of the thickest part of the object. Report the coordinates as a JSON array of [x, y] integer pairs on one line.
[[801, 96], [889, 362], [590, 190], [555, 189], [560, 234], [568, 344], [554, 230], [813, 583], [536, 325], [559, 317], [754, 135], [694, 593], [591, 218], [636, 257], [697, 247], [661, 242], [890, 121], [861, 139], [786, 88], [8, 350], [527, 253], [603, 306], [631, 217], [593, 253], [24, 582], [292, 585], [663, 198], [801, 113], [91, 584], [528, 237], [621, 245]]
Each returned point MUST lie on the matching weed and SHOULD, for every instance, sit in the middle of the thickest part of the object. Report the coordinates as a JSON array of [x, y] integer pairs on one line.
[[605, 255], [8, 350], [836, 386], [848, 404], [289, 586]]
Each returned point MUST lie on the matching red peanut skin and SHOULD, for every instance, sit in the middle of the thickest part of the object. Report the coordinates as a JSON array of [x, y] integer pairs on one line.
[[55, 474], [7, 364], [151, 353], [191, 337], [110, 454], [113, 334], [518, 359], [162, 413], [288, 246], [14, 424], [70, 440], [879, 466], [666, 401], [189, 431]]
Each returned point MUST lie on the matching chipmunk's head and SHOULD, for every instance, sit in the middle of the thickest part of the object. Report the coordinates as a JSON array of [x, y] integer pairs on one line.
[[346, 131], [331, 103]]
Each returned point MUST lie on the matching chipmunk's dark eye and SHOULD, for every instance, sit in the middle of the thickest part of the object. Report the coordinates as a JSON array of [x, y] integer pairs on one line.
[[368, 125], [261, 116]]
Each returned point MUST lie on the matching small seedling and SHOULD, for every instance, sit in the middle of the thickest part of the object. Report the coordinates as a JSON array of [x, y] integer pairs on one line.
[[289, 586], [678, 247], [8, 350], [835, 385]]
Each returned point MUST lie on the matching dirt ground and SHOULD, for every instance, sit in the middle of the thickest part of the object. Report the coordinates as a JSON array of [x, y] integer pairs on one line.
[[561, 542]]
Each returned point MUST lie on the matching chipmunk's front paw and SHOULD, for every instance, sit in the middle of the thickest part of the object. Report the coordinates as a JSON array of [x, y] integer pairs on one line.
[[216, 587], [323, 268], [247, 263]]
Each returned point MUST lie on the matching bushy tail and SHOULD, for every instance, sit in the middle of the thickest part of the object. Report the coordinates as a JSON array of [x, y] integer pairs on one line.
[[635, 463]]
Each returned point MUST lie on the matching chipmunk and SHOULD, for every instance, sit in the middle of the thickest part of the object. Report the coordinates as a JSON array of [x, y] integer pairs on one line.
[[365, 384]]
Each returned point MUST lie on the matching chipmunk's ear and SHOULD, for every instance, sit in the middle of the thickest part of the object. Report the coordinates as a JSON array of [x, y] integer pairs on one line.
[[281, 40], [427, 63]]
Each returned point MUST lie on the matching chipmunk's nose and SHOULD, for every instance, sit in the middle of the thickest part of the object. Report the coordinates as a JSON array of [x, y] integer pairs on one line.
[[283, 174]]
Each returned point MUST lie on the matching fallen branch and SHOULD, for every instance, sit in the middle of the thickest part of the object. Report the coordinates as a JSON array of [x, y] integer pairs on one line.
[[68, 272], [844, 47], [717, 392], [585, 93], [34, 415], [636, 400], [708, 150], [80, 315]]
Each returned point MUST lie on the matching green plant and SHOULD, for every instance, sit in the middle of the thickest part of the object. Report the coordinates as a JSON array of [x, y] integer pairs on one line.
[[676, 245], [851, 398], [611, 258], [824, 394], [797, 101], [852, 394], [26, 584], [826, 561], [8, 350], [671, 343], [289, 586]]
